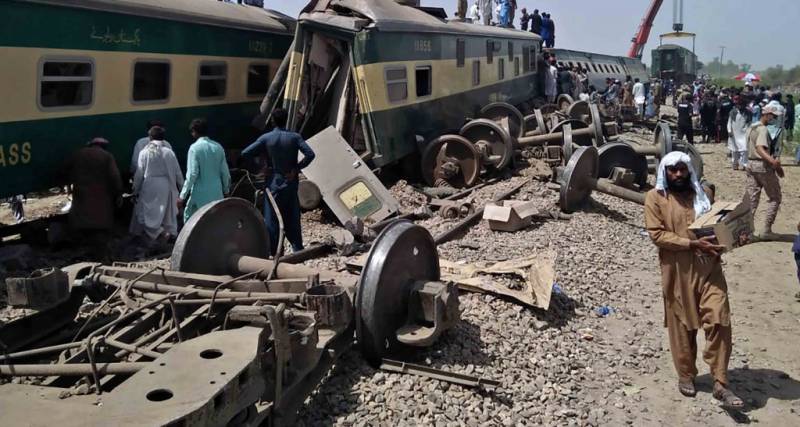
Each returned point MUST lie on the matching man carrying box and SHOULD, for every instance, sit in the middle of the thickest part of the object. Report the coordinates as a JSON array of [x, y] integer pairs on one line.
[[693, 283], [764, 164]]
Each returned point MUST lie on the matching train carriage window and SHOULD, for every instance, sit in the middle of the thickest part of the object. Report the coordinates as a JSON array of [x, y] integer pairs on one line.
[[213, 79], [594, 66], [66, 83], [489, 52], [461, 51], [257, 79], [526, 60], [424, 77], [516, 67], [533, 59], [510, 51], [397, 84], [476, 73], [501, 69], [151, 81]]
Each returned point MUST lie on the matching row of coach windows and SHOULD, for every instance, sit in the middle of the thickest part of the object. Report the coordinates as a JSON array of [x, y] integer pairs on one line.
[[397, 79], [598, 68], [71, 83]]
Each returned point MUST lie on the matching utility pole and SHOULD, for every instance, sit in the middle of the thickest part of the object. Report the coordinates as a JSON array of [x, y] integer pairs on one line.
[[721, 56]]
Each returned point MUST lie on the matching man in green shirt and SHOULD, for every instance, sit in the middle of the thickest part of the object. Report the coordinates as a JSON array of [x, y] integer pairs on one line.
[[207, 176]]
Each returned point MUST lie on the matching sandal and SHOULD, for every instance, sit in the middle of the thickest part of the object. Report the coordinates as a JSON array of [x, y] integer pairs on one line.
[[728, 399], [687, 389]]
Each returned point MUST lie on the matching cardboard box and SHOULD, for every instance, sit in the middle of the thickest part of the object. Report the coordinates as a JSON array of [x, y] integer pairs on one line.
[[509, 215], [730, 222]]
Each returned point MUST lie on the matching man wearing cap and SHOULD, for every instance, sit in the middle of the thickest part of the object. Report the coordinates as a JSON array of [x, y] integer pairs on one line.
[[763, 165], [96, 187], [693, 283]]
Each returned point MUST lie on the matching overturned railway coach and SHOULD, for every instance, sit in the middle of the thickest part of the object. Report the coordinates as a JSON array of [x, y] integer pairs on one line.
[[391, 77], [600, 66], [85, 68]]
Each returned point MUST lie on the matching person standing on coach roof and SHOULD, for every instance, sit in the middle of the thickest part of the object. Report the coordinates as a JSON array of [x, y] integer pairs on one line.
[[524, 19], [693, 283], [536, 22], [545, 32], [207, 176], [281, 148]]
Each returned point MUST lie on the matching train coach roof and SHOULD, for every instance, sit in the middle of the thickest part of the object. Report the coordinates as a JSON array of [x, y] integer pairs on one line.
[[670, 47], [568, 54], [387, 15], [210, 12]]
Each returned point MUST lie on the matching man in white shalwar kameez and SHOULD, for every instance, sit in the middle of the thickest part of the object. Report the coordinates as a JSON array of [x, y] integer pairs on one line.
[[156, 183], [486, 11], [739, 121]]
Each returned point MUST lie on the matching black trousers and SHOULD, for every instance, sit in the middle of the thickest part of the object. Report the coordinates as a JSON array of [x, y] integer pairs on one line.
[[688, 131]]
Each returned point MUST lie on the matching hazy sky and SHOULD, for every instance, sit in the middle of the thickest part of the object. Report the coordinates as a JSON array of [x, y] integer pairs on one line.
[[753, 32]]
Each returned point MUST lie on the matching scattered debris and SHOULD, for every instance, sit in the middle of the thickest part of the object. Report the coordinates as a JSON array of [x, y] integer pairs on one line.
[[509, 215], [438, 374], [536, 272], [348, 191]]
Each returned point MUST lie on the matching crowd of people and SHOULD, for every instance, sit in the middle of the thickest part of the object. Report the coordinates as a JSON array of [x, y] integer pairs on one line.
[[502, 13], [164, 198]]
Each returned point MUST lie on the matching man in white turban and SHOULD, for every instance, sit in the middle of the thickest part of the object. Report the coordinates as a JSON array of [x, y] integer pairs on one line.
[[693, 283]]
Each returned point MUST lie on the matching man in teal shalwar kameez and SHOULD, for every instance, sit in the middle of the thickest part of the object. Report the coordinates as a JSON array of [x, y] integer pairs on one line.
[[207, 176]]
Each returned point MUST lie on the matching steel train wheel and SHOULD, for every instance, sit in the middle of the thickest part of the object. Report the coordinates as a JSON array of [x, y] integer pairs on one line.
[[497, 111], [403, 254], [451, 160], [584, 140], [578, 179], [697, 158], [541, 125], [499, 147], [580, 111], [564, 101], [619, 155], [309, 195], [567, 145], [216, 232], [662, 138]]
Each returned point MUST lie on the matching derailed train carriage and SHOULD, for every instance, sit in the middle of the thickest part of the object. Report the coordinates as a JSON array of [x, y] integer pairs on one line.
[[85, 68], [391, 78], [402, 84]]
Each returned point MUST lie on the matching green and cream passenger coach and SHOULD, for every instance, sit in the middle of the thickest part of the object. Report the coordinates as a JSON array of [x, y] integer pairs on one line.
[[393, 79], [84, 68]]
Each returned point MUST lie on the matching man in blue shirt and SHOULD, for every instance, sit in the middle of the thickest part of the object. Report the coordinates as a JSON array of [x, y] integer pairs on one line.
[[281, 147]]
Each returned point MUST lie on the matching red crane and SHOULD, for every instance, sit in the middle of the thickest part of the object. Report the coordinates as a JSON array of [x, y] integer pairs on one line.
[[640, 39]]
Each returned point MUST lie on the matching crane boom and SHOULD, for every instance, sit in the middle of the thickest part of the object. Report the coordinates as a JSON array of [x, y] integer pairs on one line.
[[640, 39]]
